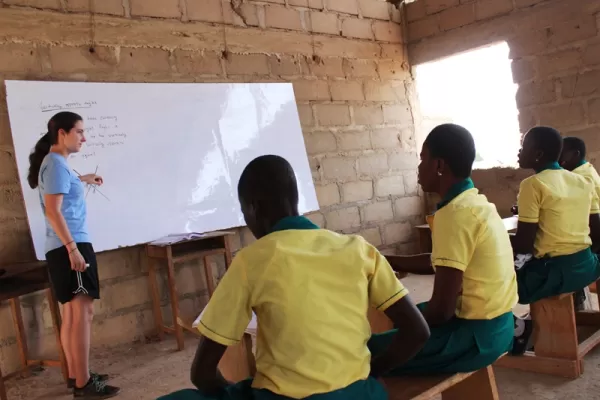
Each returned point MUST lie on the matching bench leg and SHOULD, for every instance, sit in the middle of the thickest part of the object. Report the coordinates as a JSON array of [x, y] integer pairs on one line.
[[178, 330], [555, 329], [554, 338], [3, 395], [155, 294], [481, 386], [210, 282], [15, 304]]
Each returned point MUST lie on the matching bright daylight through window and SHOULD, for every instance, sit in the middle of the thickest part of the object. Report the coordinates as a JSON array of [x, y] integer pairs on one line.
[[475, 90]]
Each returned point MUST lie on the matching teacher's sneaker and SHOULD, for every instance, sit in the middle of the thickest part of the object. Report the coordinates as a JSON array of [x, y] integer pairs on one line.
[[579, 299], [522, 336], [100, 377], [95, 389]]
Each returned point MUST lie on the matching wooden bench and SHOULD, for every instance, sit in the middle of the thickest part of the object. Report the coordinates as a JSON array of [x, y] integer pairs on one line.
[[480, 385], [238, 364], [18, 280], [557, 349]]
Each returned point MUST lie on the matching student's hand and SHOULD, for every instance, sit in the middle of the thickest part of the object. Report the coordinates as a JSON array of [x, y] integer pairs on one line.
[[405, 343], [92, 179], [77, 261], [215, 388], [382, 383]]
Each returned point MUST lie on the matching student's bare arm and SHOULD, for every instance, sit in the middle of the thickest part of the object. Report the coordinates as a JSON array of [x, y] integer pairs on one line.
[[419, 264], [595, 230], [412, 334], [446, 289], [522, 242], [205, 374]]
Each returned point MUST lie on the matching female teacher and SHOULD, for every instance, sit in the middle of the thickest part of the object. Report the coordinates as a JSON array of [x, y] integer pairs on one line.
[[69, 253]]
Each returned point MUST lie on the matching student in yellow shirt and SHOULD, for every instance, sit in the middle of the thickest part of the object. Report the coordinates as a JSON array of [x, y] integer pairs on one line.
[[572, 158], [557, 212], [310, 289], [470, 311]]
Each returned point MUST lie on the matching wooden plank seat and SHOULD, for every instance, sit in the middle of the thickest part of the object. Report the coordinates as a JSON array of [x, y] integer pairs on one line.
[[238, 363], [557, 348], [479, 385]]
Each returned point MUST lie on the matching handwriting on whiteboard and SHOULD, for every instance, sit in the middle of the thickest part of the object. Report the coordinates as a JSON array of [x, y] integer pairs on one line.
[[102, 131], [66, 106]]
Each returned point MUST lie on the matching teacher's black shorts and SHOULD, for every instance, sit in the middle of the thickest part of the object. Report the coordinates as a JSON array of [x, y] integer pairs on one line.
[[67, 283]]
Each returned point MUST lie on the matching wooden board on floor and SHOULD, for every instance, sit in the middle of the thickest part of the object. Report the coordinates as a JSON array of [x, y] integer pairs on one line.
[[480, 385], [379, 321], [238, 362]]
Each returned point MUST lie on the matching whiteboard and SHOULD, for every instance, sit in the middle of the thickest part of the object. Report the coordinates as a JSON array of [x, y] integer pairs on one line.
[[170, 154]]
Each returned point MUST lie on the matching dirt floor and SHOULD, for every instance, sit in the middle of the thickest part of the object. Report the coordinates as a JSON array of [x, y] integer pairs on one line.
[[146, 371]]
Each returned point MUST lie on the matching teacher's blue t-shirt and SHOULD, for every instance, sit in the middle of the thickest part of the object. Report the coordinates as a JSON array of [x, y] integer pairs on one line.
[[56, 177]]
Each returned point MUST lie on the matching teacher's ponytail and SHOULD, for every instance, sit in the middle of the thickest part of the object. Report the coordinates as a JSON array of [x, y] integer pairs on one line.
[[64, 121], [42, 148]]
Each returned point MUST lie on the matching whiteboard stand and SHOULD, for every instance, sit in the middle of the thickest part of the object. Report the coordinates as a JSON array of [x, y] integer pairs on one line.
[[211, 244]]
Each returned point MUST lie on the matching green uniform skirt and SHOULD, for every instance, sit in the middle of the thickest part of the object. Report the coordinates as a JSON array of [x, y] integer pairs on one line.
[[369, 389], [552, 276], [459, 345]]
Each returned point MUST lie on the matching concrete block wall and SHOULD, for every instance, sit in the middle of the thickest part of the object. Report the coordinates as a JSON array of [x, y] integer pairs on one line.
[[555, 52], [346, 59]]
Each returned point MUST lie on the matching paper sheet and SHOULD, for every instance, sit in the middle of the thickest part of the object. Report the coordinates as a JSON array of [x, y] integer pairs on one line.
[[176, 238]]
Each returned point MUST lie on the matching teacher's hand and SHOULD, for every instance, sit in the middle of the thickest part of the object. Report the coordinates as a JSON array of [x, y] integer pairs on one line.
[[77, 261], [92, 179]]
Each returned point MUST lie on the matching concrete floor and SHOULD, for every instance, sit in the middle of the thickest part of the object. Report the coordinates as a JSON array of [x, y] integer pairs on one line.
[[146, 371]]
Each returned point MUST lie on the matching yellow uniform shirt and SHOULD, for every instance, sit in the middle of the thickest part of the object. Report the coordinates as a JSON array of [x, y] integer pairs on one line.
[[310, 290], [560, 202], [468, 234], [588, 171]]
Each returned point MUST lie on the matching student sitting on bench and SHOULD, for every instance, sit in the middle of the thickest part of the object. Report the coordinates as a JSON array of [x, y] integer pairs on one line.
[[470, 311], [572, 158], [557, 211], [310, 289]]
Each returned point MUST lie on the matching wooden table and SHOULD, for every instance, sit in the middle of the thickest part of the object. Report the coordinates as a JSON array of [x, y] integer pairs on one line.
[[211, 244], [424, 233], [20, 279]]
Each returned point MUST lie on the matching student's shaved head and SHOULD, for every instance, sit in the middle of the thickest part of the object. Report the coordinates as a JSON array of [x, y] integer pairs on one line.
[[575, 144], [573, 153], [268, 192], [541, 145]]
